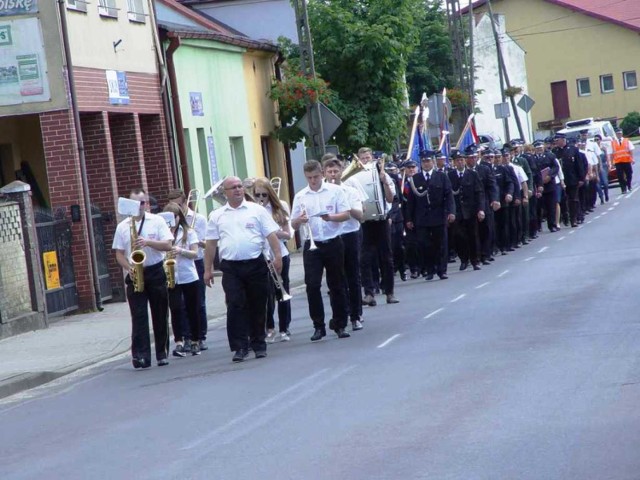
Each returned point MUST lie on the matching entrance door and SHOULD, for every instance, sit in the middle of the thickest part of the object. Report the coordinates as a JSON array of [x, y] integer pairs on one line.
[[560, 99]]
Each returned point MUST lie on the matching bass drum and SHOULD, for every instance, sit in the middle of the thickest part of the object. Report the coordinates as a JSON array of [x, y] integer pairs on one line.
[[368, 181]]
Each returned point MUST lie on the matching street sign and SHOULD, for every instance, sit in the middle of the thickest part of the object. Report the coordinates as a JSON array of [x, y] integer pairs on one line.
[[436, 109], [502, 110], [330, 121], [526, 103]]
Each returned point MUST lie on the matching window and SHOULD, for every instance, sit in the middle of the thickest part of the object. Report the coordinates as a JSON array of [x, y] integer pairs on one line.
[[584, 87], [107, 8], [136, 11], [630, 80], [79, 5], [606, 83]]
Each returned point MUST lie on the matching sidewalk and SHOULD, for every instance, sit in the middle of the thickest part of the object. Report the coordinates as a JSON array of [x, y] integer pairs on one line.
[[78, 341]]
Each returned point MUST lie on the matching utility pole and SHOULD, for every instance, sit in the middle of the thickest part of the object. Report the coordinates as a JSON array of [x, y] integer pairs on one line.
[[472, 65], [505, 121], [308, 68], [462, 63], [503, 71]]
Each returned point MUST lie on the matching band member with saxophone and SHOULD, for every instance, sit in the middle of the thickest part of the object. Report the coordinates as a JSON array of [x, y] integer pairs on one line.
[[149, 233], [239, 229], [322, 207], [184, 294], [198, 223], [266, 196], [351, 238]]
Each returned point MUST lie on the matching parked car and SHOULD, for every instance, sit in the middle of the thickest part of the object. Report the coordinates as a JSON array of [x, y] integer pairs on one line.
[[596, 127], [490, 141]]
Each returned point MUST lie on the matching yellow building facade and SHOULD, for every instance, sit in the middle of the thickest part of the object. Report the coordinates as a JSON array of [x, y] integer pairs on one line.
[[577, 65]]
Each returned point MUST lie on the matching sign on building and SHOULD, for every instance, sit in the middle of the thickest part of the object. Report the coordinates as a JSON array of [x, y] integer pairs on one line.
[[502, 110], [213, 162], [18, 7], [118, 87], [51, 270], [195, 100], [23, 66]]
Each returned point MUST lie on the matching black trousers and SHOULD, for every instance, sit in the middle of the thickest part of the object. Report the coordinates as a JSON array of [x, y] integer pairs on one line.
[[573, 202], [502, 227], [470, 245], [154, 297], [625, 173], [487, 233], [534, 222], [397, 245], [203, 299], [352, 282], [328, 256], [246, 285], [431, 242], [185, 299], [515, 224], [412, 252], [376, 243], [550, 202], [284, 308]]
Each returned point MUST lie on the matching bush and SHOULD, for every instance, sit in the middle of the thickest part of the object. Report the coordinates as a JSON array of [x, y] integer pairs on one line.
[[630, 124]]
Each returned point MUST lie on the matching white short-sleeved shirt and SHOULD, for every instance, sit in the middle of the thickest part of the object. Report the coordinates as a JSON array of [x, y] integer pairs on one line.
[[354, 198], [592, 146], [241, 231], [284, 251], [592, 156], [560, 175], [352, 182], [185, 267], [330, 199], [200, 228], [154, 228], [520, 173]]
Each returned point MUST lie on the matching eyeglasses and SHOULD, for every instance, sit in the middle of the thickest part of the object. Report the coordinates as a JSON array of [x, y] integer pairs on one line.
[[261, 195], [142, 202], [235, 187]]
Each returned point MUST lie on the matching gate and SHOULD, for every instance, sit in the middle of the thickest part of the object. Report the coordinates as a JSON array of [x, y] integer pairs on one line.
[[55, 243], [104, 278]]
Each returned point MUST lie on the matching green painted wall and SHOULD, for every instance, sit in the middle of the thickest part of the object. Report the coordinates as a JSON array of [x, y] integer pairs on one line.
[[216, 71]]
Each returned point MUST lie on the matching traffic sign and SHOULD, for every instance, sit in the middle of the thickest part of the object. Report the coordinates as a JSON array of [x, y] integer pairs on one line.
[[526, 103], [502, 110], [330, 121]]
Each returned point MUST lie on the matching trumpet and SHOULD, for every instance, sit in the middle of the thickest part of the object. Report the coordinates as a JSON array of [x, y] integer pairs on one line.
[[312, 244], [356, 166], [281, 293], [192, 198], [136, 258]]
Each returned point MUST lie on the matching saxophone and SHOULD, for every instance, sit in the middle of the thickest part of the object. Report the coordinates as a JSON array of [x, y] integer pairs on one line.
[[136, 258], [170, 270]]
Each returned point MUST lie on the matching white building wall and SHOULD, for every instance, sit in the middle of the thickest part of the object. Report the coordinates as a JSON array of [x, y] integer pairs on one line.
[[488, 81]]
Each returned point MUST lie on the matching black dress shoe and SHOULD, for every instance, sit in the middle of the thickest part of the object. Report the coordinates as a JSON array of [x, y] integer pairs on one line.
[[318, 334], [403, 276], [463, 266], [261, 354], [332, 324], [574, 225], [486, 262], [443, 276], [414, 275], [240, 355], [429, 276], [511, 249], [163, 362], [476, 267], [137, 362], [342, 333], [491, 259]]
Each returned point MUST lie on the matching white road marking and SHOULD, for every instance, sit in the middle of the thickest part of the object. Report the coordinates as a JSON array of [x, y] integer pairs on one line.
[[561, 238], [572, 232], [459, 297], [604, 213], [616, 204], [590, 221], [435, 312], [543, 249], [482, 285], [388, 341], [610, 209], [619, 197], [529, 259], [598, 217], [632, 192], [503, 273]]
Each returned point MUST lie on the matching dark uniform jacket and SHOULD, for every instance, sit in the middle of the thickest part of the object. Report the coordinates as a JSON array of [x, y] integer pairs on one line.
[[491, 191], [548, 160], [517, 188], [430, 210], [468, 193], [504, 183], [572, 166]]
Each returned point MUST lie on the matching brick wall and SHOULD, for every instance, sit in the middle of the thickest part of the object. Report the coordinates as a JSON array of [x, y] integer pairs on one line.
[[156, 156], [65, 189], [126, 142], [15, 293]]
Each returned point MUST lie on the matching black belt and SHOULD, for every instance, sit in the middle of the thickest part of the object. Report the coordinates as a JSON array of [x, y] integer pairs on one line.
[[325, 242], [257, 259]]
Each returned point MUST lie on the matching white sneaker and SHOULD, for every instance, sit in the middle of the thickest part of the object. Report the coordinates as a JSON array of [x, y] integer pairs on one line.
[[271, 337], [284, 337]]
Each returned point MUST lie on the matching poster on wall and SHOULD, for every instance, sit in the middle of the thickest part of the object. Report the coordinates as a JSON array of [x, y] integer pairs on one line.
[[195, 99], [213, 163], [118, 87], [51, 270], [23, 69], [18, 7]]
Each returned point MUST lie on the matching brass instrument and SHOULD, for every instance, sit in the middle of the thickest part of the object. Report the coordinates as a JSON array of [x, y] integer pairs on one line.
[[312, 244], [170, 270], [281, 293], [276, 183], [136, 259], [192, 198], [217, 192], [356, 166]]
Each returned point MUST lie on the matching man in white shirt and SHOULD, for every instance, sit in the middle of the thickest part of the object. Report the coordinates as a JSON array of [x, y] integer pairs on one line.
[[154, 238], [322, 207], [239, 229]]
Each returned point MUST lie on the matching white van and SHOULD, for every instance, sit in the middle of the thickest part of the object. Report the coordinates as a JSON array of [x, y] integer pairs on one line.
[[595, 127]]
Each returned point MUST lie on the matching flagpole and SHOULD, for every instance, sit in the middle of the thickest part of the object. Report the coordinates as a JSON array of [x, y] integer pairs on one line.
[[412, 138], [464, 130]]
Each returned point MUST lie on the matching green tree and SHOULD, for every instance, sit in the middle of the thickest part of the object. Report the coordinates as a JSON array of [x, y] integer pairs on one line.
[[361, 49], [430, 66], [630, 124]]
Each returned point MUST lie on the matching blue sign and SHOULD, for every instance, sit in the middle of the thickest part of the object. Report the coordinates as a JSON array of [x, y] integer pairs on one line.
[[213, 164], [118, 88], [18, 7]]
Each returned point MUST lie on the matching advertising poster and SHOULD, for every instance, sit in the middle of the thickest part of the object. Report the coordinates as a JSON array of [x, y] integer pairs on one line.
[[118, 87], [195, 99], [51, 270], [18, 7], [23, 69]]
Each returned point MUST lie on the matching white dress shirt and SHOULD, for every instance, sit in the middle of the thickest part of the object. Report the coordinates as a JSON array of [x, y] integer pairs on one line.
[[241, 231], [354, 198], [329, 199], [200, 228], [560, 175], [154, 228], [185, 267], [284, 251], [520, 173]]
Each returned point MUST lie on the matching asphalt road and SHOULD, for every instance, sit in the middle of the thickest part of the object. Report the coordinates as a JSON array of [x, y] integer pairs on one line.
[[528, 369]]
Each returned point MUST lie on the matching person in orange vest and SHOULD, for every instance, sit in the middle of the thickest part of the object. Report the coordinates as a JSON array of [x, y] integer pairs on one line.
[[623, 159]]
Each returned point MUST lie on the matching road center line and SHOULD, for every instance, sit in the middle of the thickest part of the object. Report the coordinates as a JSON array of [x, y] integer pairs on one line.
[[631, 193], [435, 312], [543, 249], [598, 217], [590, 221], [610, 209], [604, 213], [503, 274], [482, 285], [459, 297], [529, 259], [388, 341], [561, 238], [572, 232], [616, 204]]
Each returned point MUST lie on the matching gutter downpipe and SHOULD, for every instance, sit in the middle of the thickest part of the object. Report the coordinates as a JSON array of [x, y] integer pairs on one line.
[[97, 301], [174, 44]]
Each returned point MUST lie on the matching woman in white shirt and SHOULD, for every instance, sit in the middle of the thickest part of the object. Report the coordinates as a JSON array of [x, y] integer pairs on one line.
[[266, 196], [186, 291]]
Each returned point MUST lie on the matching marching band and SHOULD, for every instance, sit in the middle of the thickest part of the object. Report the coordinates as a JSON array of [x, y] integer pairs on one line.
[[359, 222]]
